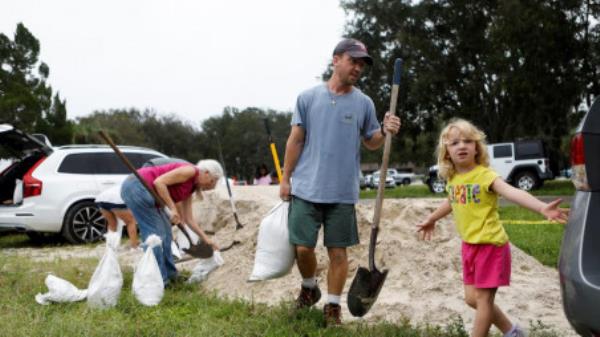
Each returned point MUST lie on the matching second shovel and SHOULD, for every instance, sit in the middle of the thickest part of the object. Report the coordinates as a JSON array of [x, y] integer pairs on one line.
[[368, 282]]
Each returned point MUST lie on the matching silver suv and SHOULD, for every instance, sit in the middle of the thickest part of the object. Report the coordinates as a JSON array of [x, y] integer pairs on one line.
[[579, 263], [52, 189]]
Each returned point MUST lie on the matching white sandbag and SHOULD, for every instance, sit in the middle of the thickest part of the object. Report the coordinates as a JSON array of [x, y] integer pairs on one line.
[[18, 193], [60, 291], [148, 287], [205, 267], [106, 282], [182, 241], [175, 251], [274, 253]]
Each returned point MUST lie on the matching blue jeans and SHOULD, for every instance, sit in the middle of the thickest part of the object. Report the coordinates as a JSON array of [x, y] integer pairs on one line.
[[151, 220]]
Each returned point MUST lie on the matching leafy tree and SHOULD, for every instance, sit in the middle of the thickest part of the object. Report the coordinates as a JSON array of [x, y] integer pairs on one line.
[[172, 136], [590, 38], [56, 125], [243, 138], [24, 94], [512, 67], [241, 135], [25, 97], [123, 126]]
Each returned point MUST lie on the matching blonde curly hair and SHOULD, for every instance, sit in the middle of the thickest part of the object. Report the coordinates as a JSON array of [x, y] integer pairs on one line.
[[446, 169]]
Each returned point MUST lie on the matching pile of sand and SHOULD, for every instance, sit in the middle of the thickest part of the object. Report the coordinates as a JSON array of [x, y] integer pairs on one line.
[[424, 283]]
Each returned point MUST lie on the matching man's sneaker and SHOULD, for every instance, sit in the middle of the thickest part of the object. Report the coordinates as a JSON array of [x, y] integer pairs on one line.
[[332, 314], [308, 297]]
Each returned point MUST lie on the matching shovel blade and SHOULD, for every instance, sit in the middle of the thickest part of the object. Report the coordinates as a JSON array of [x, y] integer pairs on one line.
[[364, 290], [200, 249]]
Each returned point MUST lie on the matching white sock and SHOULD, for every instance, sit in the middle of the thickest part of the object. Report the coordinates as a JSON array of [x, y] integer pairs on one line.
[[509, 333], [310, 282], [333, 299]]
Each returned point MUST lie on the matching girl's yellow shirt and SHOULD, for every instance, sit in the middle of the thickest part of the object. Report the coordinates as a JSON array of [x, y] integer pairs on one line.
[[475, 207]]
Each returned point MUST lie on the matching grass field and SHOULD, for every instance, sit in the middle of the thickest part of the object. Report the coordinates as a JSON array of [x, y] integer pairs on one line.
[[541, 240], [556, 187], [552, 187], [186, 310]]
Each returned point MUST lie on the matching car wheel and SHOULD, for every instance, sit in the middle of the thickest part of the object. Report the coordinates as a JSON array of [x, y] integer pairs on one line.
[[437, 185], [405, 181], [526, 181], [84, 223]]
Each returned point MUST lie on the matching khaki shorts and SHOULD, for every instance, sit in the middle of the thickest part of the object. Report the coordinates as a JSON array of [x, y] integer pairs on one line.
[[338, 220]]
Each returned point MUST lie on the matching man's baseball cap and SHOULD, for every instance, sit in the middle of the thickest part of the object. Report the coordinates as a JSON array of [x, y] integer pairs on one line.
[[354, 48]]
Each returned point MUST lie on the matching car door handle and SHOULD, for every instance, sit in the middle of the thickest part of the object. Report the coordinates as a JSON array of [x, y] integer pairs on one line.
[[508, 161], [108, 183]]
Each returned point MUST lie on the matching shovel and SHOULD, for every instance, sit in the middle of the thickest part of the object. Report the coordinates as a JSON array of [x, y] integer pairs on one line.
[[201, 249], [238, 225], [368, 282], [273, 150]]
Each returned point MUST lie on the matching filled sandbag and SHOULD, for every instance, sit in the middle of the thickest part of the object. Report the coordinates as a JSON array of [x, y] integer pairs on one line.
[[205, 267], [181, 239], [274, 253], [175, 251], [106, 282], [148, 287]]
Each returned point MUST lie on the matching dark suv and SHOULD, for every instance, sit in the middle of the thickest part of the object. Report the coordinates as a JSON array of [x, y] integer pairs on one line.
[[579, 263]]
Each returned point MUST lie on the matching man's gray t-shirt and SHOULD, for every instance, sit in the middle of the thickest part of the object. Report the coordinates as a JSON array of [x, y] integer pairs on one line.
[[328, 168]]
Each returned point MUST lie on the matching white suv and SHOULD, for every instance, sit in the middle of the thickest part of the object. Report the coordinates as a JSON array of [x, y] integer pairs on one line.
[[401, 178], [52, 190], [522, 163]]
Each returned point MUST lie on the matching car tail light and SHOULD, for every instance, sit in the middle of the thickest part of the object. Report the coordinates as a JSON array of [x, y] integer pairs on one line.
[[31, 185], [579, 176]]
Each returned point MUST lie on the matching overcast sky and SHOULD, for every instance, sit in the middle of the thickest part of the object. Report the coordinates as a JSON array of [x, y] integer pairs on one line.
[[187, 57]]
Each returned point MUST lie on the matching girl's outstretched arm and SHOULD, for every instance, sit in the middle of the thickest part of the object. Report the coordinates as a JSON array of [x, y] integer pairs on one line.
[[426, 227], [522, 198]]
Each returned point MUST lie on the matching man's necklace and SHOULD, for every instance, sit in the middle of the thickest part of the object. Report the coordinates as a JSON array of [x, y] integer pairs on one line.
[[330, 95]]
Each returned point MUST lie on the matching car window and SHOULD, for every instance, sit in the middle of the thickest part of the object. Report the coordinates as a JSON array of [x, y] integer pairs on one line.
[[502, 151], [101, 163], [109, 163], [80, 163], [529, 150], [139, 159]]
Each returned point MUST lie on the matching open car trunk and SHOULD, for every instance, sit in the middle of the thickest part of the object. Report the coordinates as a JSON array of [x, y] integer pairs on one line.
[[24, 151]]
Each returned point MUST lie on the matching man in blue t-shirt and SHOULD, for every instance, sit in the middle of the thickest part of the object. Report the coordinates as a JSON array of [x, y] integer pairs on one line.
[[322, 160]]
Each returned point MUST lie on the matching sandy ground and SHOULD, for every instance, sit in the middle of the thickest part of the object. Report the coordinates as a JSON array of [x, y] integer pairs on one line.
[[424, 283]]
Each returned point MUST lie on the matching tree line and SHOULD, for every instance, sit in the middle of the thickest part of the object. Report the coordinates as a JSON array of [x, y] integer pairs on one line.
[[239, 136], [517, 69]]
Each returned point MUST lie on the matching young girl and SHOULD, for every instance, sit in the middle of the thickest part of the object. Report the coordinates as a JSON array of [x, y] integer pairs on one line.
[[473, 189]]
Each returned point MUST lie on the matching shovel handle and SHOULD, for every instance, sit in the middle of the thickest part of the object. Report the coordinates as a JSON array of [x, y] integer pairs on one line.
[[387, 146], [273, 151], [131, 168], [238, 225], [384, 165]]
